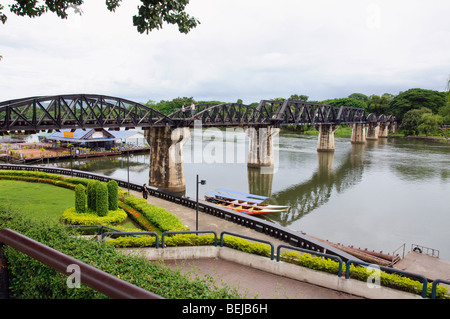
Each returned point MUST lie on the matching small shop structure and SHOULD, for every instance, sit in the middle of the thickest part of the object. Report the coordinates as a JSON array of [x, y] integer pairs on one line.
[[97, 140]]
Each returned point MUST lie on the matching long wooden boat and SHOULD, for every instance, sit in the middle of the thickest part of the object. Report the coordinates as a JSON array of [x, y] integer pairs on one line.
[[242, 202], [250, 210]]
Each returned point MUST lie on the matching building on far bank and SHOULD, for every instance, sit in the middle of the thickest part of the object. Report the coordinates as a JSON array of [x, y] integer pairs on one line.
[[97, 139]]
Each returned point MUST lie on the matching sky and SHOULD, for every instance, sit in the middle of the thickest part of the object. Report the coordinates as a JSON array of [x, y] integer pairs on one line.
[[243, 49]]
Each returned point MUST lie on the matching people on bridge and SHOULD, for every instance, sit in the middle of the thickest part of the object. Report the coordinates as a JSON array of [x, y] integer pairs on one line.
[[192, 109]]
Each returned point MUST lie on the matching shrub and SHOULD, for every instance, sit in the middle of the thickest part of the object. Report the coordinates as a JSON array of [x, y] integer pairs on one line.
[[91, 195], [80, 199], [101, 199], [31, 279], [112, 217], [113, 195], [158, 216]]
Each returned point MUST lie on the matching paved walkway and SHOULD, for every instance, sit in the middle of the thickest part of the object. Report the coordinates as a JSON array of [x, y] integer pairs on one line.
[[247, 280]]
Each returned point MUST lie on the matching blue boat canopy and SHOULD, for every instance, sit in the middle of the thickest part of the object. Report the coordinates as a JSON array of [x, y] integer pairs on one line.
[[245, 199], [222, 190]]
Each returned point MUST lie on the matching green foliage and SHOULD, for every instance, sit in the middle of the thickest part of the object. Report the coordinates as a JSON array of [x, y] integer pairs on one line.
[[168, 107], [113, 194], [416, 99], [430, 123], [31, 279], [151, 14], [101, 199], [112, 217], [80, 199], [351, 102], [445, 113], [394, 281], [412, 120], [379, 104], [158, 216], [92, 195]]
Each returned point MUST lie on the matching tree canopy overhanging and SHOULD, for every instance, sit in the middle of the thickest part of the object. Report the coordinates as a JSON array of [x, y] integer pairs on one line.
[[151, 13]]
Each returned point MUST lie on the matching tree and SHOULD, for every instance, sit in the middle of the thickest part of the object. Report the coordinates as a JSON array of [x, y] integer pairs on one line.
[[151, 13], [351, 102], [379, 104], [416, 99], [296, 97], [430, 123], [359, 96], [412, 120]]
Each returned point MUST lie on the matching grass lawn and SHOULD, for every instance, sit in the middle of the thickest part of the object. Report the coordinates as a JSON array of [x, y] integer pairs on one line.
[[41, 201], [36, 199]]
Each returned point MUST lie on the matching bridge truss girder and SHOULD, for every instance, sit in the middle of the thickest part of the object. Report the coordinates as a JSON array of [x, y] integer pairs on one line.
[[76, 111], [83, 111]]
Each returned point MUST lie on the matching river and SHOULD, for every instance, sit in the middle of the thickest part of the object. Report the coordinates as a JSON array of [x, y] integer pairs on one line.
[[379, 195]]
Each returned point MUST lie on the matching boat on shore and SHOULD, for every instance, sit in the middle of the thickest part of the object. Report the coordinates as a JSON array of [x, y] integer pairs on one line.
[[242, 202]]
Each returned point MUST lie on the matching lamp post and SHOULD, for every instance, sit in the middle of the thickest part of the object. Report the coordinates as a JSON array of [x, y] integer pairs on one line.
[[71, 162], [203, 182], [128, 171]]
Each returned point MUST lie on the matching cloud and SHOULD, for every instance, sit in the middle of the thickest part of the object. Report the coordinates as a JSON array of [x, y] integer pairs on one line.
[[250, 50]]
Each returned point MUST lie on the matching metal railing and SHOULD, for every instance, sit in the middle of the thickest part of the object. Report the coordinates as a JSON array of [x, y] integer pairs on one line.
[[263, 226], [188, 232], [136, 234], [425, 250], [336, 258], [272, 248], [101, 281], [301, 244], [421, 278]]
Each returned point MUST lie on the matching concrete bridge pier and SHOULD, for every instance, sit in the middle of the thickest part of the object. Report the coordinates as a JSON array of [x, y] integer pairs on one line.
[[326, 137], [393, 127], [384, 130], [261, 150], [358, 133], [372, 131], [166, 157]]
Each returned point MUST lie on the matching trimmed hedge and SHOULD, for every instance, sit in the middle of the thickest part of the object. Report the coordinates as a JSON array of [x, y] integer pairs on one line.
[[92, 195], [158, 216], [80, 199], [394, 281], [141, 210], [101, 199], [112, 217], [31, 279], [113, 194]]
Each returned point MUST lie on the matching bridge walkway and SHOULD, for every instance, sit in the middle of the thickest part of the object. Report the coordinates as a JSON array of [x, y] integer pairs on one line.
[[249, 281]]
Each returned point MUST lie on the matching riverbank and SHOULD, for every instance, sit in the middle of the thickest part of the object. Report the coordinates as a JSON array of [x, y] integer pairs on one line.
[[30, 153]]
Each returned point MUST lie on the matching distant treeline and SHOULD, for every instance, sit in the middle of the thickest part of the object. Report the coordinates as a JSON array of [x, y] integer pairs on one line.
[[417, 100]]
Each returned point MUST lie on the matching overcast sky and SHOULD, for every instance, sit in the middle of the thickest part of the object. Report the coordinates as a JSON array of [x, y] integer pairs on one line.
[[243, 49]]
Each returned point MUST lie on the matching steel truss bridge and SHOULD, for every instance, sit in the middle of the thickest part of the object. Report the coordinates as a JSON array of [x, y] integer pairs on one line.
[[85, 111]]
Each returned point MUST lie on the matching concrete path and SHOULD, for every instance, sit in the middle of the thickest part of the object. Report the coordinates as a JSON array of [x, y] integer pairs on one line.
[[206, 221], [430, 267], [249, 281]]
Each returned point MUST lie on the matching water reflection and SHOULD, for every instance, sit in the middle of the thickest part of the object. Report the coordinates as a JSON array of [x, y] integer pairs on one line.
[[304, 198], [377, 195]]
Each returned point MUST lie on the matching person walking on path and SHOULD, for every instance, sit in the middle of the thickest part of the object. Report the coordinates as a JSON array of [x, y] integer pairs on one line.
[[145, 191]]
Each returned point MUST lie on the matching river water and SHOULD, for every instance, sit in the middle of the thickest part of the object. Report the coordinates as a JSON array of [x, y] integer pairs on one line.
[[379, 195]]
